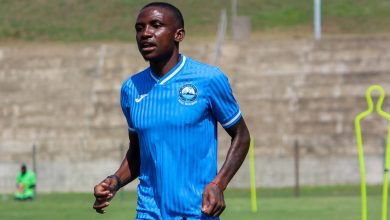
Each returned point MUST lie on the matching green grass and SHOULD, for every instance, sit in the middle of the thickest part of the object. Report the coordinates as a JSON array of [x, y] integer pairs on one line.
[[112, 20], [320, 203]]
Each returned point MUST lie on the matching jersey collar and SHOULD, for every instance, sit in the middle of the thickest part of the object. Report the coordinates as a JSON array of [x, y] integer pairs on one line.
[[176, 69]]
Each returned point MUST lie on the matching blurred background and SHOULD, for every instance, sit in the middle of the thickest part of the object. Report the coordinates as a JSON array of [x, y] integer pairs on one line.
[[299, 86]]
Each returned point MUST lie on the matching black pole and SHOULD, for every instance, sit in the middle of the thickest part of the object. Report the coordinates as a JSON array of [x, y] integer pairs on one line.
[[34, 165], [296, 163], [34, 159]]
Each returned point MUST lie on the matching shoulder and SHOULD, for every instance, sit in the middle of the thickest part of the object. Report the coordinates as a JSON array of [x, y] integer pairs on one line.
[[30, 173], [203, 69], [135, 79]]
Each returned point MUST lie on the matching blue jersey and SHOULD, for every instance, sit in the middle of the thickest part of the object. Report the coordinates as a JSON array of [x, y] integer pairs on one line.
[[175, 117]]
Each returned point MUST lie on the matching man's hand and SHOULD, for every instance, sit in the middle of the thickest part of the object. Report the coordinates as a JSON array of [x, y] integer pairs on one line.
[[20, 188], [103, 193], [213, 202]]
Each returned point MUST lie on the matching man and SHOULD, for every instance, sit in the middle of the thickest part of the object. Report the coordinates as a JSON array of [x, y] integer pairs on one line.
[[25, 184], [172, 109]]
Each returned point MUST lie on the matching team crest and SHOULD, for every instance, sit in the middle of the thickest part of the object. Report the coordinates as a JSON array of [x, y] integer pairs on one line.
[[188, 94]]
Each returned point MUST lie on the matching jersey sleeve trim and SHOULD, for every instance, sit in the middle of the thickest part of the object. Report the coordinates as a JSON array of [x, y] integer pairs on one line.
[[232, 121]]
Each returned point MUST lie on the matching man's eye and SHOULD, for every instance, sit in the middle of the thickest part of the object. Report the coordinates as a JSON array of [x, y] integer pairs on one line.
[[156, 25], [138, 29]]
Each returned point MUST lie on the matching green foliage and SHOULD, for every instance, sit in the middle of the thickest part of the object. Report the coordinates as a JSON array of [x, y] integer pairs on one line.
[[320, 203], [112, 20], [357, 16]]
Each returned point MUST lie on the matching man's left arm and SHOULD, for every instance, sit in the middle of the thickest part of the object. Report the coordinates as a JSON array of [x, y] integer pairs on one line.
[[213, 202], [33, 180]]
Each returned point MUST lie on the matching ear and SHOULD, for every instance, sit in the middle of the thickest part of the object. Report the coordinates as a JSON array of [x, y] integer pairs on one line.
[[179, 35]]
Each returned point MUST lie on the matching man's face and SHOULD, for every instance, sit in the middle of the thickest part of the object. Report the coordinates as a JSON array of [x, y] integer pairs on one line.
[[156, 33]]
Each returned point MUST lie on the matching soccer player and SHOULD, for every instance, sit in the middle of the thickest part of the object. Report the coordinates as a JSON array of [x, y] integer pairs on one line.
[[25, 184], [172, 109]]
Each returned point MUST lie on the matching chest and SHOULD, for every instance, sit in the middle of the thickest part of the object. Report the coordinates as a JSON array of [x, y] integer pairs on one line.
[[172, 105]]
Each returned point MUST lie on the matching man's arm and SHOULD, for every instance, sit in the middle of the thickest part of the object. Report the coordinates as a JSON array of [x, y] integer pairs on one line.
[[213, 202], [127, 172], [33, 180], [129, 169]]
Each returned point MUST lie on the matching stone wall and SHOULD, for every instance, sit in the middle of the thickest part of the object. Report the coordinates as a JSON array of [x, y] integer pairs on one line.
[[64, 98]]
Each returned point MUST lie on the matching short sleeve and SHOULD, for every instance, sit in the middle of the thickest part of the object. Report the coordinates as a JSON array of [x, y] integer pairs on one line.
[[125, 104], [223, 105]]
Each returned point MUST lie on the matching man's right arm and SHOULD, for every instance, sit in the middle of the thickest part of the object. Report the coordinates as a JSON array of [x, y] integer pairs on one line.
[[127, 172]]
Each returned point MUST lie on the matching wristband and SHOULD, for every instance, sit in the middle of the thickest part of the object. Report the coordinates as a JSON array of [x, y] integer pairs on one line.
[[118, 181], [219, 187]]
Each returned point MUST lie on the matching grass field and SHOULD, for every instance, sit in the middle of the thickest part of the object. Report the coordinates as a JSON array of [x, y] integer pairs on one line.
[[319, 203], [112, 20]]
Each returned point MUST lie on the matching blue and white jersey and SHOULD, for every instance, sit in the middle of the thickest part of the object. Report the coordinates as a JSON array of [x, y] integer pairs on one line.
[[176, 117]]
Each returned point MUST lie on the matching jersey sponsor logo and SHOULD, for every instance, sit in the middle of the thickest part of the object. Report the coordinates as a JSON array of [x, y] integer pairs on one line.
[[140, 97], [188, 94]]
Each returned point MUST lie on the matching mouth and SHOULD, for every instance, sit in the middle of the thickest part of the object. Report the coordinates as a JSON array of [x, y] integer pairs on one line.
[[147, 46]]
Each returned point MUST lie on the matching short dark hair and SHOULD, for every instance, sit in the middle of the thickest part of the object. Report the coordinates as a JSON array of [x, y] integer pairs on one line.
[[175, 11]]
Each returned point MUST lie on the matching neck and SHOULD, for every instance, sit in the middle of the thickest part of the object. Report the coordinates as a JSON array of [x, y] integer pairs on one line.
[[163, 66]]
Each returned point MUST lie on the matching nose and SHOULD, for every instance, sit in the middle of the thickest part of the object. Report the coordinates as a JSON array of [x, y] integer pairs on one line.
[[147, 32]]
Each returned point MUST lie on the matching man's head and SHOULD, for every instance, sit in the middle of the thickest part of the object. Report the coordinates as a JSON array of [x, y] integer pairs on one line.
[[176, 12], [23, 168], [159, 30]]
